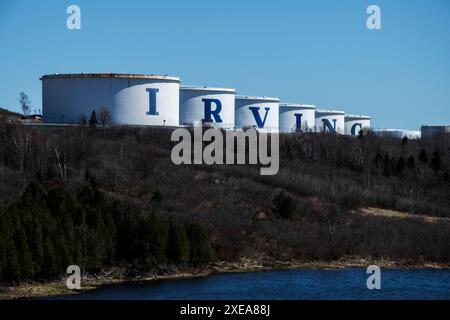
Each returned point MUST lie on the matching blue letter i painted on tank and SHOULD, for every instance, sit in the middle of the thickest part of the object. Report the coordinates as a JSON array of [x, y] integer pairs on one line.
[[298, 122], [152, 102], [209, 113], [260, 123], [327, 125]]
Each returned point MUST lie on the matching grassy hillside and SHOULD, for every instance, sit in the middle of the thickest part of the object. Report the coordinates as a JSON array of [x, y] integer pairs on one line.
[[6, 113], [315, 208]]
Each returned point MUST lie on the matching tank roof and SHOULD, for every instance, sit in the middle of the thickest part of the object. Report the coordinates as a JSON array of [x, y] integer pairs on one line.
[[296, 105], [330, 111], [198, 88], [267, 99], [436, 126], [394, 130], [357, 116], [109, 75]]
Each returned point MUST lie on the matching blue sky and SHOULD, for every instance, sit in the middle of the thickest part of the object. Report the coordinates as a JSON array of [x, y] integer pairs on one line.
[[318, 52]]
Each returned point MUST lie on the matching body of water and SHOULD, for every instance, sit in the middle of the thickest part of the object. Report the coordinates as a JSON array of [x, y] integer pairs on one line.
[[339, 284]]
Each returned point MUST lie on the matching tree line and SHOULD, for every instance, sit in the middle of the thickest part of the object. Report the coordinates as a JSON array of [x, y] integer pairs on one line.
[[47, 229]]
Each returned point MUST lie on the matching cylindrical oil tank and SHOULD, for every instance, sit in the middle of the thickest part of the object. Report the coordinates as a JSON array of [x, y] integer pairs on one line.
[[297, 117], [261, 113], [355, 123], [130, 99], [330, 121], [207, 105], [432, 131], [397, 133]]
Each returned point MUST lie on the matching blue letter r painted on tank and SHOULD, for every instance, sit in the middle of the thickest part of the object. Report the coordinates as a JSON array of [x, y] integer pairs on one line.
[[209, 113], [152, 111], [260, 123]]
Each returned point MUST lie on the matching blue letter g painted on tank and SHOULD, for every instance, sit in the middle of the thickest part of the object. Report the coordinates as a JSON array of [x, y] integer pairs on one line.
[[209, 113], [354, 128], [152, 110], [260, 123], [298, 122]]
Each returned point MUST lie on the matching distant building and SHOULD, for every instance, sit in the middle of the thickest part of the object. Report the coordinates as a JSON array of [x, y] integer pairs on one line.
[[431, 131]]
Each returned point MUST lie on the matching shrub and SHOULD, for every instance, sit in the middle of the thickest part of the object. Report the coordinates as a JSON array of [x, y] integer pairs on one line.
[[283, 204]]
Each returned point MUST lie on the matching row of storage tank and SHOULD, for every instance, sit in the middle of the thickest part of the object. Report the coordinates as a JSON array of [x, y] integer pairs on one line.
[[161, 101]]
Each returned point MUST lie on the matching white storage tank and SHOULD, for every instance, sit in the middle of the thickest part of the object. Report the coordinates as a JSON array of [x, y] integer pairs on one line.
[[355, 123], [297, 117], [131, 99], [258, 112], [209, 105], [397, 133], [330, 121]]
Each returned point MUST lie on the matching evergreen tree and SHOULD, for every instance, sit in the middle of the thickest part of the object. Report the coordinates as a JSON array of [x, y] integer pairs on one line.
[[387, 165], [4, 235], [156, 195], [436, 162], [361, 134], [3, 259], [157, 239], [98, 229], [200, 249], [177, 244], [411, 163], [93, 119], [401, 165], [283, 204], [393, 166], [51, 266], [404, 141], [423, 157], [378, 162], [11, 272], [25, 258]]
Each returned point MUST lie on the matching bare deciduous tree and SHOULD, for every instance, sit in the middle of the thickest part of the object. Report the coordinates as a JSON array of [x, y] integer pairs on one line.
[[25, 103], [104, 116]]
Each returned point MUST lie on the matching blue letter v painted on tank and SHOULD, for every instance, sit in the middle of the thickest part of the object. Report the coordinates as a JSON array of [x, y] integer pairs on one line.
[[255, 110]]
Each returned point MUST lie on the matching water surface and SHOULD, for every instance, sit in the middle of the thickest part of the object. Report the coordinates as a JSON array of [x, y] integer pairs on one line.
[[339, 284]]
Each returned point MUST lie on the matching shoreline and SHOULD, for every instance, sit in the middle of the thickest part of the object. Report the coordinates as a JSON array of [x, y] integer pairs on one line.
[[57, 288]]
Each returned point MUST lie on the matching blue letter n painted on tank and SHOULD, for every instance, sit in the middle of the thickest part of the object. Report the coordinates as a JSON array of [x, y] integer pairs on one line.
[[327, 125], [209, 113], [152, 111], [298, 122], [260, 123]]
